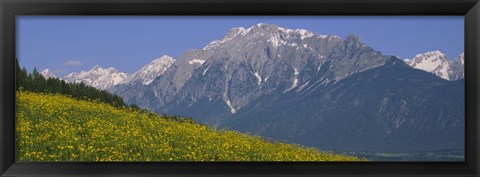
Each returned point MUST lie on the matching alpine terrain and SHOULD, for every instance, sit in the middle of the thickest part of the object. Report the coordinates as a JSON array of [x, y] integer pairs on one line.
[[97, 77], [301, 87], [438, 63]]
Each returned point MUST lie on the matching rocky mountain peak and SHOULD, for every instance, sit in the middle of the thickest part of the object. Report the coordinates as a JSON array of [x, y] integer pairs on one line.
[[461, 58], [429, 61], [439, 64], [432, 55], [354, 41], [162, 59], [151, 70], [275, 34], [353, 38]]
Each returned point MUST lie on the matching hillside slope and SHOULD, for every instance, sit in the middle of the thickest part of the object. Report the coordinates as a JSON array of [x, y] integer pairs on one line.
[[392, 108], [54, 127]]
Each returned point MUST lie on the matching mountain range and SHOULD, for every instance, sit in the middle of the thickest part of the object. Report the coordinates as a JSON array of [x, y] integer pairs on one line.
[[301, 87], [101, 78], [439, 64], [434, 62]]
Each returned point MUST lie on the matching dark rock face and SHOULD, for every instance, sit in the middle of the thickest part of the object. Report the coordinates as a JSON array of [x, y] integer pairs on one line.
[[316, 90]]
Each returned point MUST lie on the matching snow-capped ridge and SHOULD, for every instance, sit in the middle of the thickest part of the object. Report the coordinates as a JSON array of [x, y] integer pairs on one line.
[[272, 30], [97, 77], [47, 74], [150, 71], [438, 63], [429, 61], [238, 31], [431, 55]]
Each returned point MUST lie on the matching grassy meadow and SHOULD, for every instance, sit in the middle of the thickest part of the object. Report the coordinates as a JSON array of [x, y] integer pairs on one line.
[[55, 127]]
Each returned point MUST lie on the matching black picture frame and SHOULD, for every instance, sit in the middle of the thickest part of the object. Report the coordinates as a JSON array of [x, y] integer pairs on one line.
[[470, 9]]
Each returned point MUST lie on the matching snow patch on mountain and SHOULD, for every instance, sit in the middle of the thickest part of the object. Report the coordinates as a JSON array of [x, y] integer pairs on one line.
[[294, 84], [205, 71], [232, 110], [304, 33], [259, 79], [276, 41], [196, 61], [333, 37]]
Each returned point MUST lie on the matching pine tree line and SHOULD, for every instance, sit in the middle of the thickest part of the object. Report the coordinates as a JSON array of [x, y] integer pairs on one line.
[[35, 82]]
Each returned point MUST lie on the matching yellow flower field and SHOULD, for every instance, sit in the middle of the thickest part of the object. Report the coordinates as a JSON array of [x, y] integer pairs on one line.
[[54, 127]]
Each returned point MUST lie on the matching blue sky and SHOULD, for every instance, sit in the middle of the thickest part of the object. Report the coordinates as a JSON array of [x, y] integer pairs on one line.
[[70, 44]]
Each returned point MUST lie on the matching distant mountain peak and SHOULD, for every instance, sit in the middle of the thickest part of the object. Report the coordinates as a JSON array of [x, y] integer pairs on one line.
[[428, 61], [438, 63], [151, 70], [436, 54], [97, 77], [47, 74], [263, 30], [163, 60]]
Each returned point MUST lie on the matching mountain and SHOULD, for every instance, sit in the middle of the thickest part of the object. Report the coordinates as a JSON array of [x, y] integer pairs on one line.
[[254, 56], [150, 71], [457, 67], [133, 89], [106, 79], [438, 63], [261, 60], [317, 90], [47, 74], [98, 77]]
